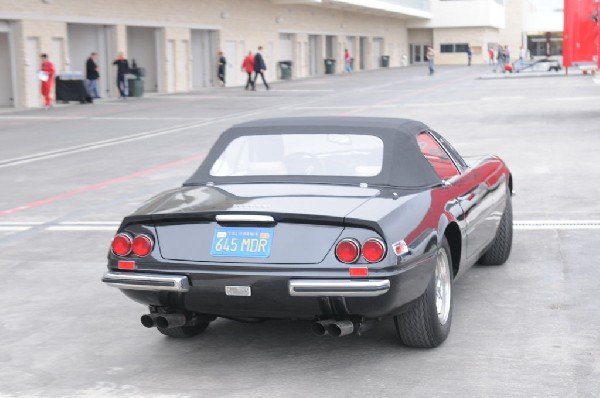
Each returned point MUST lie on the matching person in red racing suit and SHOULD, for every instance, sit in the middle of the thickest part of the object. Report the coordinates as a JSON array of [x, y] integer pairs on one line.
[[47, 67]]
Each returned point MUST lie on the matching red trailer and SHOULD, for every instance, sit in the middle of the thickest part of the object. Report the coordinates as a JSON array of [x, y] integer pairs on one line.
[[581, 38]]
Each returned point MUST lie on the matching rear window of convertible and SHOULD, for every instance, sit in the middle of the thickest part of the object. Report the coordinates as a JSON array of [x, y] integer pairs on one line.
[[348, 155]]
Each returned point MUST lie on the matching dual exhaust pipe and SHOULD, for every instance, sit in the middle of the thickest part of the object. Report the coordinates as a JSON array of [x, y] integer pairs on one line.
[[164, 321], [320, 328], [340, 328]]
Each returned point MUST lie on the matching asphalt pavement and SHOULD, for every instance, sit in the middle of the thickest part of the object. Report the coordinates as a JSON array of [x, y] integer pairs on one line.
[[529, 328]]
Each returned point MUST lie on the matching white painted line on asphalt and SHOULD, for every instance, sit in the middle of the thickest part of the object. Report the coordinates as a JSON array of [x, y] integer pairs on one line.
[[303, 90], [197, 119], [557, 222], [382, 106], [44, 117], [13, 228], [594, 99], [26, 223], [124, 118], [190, 97], [124, 139], [448, 103], [19, 226], [554, 227], [502, 98], [117, 223], [129, 138], [95, 145], [81, 228], [318, 107]]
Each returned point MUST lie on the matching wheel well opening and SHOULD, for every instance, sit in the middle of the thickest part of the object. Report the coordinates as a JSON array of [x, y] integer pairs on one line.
[[453, 236]]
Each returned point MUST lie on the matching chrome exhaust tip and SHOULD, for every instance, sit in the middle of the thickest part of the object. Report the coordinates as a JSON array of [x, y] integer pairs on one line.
[[168, 321], [341, 328], [148, 320], [320, 327]]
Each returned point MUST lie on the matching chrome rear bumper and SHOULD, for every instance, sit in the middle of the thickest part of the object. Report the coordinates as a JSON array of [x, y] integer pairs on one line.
[[156, 282], [338, 287]]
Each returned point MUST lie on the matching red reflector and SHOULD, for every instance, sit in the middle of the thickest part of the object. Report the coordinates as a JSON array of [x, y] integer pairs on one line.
[[142, 245], [373, 250], [121, 245], [347, 251], [400, 248], [359, 271], [126, 264]]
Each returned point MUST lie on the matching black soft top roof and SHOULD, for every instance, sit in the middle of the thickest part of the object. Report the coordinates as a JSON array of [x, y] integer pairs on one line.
[[397, 125], [403, 163]]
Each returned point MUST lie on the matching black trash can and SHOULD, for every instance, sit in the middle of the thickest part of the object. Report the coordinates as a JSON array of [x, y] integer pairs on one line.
[[329, 66], [136, 86], [385, 61], [285, 70]]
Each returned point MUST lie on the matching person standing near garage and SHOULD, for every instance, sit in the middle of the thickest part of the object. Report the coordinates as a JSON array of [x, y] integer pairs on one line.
[[259, 68], [48, 71], [347, 61], [469, 55], [222, 64], [248, 67], [122, 71], [92, 75], [500, 59], [491, 54], [430, 54]]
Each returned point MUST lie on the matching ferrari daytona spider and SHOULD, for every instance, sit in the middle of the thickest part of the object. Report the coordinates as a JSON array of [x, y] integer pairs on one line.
[[338, 220]]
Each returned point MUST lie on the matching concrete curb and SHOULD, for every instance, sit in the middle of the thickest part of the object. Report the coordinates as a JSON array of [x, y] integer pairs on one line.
[[525, 75]]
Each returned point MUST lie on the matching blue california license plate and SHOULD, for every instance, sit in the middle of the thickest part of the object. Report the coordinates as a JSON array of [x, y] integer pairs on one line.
[[242, 242]]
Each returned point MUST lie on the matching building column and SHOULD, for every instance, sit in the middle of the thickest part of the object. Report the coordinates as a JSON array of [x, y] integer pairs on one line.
[[300, 66]]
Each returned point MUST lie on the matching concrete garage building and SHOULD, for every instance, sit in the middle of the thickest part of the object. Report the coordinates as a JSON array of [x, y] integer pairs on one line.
[[176, 41], [454, 25]]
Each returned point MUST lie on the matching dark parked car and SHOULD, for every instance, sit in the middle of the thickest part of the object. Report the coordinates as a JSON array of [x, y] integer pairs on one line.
[[339, 220]]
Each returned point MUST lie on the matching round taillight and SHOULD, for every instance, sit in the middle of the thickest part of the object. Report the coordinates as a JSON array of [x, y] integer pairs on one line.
[[373, 250], [142, 245], [347, 250], [121, 245]]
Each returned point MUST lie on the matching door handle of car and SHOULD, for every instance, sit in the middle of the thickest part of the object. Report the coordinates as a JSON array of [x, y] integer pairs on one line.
[[467, 197]]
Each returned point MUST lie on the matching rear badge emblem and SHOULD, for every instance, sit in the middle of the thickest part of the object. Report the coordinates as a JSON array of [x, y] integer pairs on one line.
[[238, 291]]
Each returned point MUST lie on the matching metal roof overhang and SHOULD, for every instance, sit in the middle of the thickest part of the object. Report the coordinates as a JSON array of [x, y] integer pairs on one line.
[[376, 7]]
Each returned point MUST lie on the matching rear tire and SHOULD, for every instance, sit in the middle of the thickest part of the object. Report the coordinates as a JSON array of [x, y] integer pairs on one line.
[[184, 331], [427, 322], [499, 251]]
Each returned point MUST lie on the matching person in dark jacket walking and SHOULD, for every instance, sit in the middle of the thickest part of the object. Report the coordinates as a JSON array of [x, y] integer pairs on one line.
[[501, 59], [259, 68], [469, 55], [222, 64], [122, 71], [92, 75]]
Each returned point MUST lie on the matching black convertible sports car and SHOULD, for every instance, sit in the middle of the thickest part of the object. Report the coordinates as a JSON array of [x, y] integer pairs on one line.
[[339, 220]]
